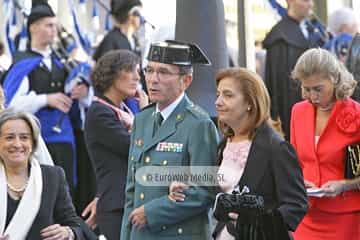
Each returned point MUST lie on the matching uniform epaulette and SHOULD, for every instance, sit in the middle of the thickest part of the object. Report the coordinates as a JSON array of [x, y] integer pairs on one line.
[[148, 106], [197, 111]]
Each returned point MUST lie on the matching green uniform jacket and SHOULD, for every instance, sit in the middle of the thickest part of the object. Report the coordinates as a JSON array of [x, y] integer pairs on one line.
[[190, 126]]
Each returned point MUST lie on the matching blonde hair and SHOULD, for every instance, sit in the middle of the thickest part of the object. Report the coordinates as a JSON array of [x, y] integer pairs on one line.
[[321, 62], [255, 94], [34, 124]]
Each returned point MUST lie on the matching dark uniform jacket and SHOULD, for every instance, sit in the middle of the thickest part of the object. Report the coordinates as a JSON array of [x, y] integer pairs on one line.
[[284, 45], [115, 39], [42, 80]]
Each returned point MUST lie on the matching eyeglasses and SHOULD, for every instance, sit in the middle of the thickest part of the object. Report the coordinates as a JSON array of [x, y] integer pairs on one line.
[[161, 73]]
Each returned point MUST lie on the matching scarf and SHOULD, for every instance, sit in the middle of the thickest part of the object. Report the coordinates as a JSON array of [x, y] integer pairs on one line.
[[28, 207], [127, 118]]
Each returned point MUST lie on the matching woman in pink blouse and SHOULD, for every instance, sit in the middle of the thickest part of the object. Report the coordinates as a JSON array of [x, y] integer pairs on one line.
[[252, 154]]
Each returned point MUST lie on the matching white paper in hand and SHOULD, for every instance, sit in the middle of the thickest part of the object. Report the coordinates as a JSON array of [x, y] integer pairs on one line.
[[315, 192]]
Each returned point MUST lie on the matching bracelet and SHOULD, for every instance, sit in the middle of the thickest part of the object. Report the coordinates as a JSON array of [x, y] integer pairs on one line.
[[358, 185], [71, 233], [343, 188]]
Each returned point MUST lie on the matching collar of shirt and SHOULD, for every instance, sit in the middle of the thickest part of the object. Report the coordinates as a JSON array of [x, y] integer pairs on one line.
[[304, 28], [165, 113], [47, 56]]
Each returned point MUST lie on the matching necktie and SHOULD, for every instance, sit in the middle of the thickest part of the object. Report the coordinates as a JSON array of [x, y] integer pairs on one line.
[[157, 122]]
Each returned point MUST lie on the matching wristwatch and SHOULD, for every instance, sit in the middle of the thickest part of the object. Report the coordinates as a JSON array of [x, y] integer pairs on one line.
[[71, 233]]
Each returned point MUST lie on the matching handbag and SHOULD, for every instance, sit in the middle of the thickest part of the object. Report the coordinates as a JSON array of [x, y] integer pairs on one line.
[[253, 222], [237, 202], [352, 161]]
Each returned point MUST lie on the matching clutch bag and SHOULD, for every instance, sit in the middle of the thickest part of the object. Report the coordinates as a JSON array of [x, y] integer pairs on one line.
[[236, 202], [352, 161]]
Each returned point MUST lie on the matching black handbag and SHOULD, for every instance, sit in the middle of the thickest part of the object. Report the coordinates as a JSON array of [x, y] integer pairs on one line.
[[253, 222], [352, 161], [236, 202]]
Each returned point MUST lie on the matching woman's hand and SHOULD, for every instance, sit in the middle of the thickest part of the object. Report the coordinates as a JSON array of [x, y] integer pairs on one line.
[[176, 190], [91, 211], [6, 237], [333, 188], [309, 184], [233, 216], [141, 96], [55, 232]]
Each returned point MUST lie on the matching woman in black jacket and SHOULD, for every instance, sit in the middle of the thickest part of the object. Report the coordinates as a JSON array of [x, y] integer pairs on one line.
[[253, 156], [107, 135], [35, 199]]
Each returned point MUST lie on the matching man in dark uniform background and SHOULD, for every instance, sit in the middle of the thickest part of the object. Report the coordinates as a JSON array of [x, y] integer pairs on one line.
[[36, 82], [286, 41], [127, 21], [171, 132]]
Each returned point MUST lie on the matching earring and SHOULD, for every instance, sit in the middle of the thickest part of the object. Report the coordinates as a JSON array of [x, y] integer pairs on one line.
[[248, 108]]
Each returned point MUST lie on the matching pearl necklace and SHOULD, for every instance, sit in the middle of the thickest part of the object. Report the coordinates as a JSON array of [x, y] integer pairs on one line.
[[17, 190], [327, 108]]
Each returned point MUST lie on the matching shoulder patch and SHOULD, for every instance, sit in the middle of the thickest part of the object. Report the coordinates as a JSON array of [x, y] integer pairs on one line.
[[197, 111], [148, 106]]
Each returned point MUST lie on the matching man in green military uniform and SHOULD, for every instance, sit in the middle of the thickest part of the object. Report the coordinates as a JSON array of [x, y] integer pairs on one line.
[[171, 132]]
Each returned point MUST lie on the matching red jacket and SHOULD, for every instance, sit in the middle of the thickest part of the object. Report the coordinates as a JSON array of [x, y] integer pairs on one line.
[[327, 161]]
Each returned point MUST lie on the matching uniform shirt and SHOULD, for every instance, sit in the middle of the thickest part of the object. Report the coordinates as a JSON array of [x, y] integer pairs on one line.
[[165, 113]]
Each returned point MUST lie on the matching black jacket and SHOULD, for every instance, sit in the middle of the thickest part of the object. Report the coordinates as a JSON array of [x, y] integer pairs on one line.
[[56, 206], [284, 44], [114, 40], [272, 170], [108, 142]]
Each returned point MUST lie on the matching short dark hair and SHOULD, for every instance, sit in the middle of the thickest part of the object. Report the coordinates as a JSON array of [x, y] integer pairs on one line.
[[185, 69], [109, 66], [120, 10]]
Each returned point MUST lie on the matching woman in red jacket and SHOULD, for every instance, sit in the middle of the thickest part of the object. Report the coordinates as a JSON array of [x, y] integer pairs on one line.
[[321, 128]]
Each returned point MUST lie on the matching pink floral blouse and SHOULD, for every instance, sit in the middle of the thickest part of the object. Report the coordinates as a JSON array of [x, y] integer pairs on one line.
[[231, 169]]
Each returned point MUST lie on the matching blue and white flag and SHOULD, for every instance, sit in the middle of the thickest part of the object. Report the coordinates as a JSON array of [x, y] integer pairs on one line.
[[83, 38], [10, 24], [95, 17], [108, 24]]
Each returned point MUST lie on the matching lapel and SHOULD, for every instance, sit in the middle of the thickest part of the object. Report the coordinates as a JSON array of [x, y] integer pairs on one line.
[[293, 34], [308, 129], [168, 127], [328, 131], [257, 162]]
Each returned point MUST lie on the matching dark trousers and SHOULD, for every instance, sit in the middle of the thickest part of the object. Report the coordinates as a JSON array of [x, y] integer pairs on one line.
[[86, 184], [109, 223], [62, 155]]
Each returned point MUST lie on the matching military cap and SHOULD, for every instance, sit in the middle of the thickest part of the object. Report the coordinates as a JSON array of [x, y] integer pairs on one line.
[[40, 9], [122, 7], [177, 53]]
